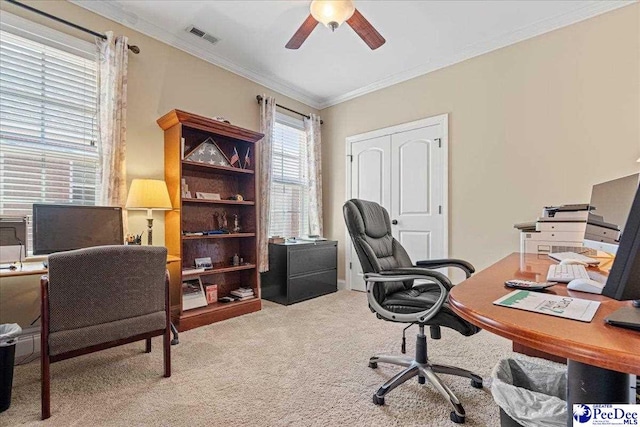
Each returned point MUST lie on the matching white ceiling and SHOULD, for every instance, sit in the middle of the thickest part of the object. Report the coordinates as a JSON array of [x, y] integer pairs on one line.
[[329, 68]]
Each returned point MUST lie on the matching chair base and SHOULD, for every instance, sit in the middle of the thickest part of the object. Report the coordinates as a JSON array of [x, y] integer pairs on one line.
[[424, 370]]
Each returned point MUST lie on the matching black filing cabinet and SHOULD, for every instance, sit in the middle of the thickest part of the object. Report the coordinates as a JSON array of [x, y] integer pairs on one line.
[[300, 271]]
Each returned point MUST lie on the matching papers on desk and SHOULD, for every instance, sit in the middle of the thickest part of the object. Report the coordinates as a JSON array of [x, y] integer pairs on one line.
[[538, 302]]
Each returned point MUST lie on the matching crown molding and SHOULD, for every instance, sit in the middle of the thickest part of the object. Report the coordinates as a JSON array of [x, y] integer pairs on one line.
[[543, 26], [112, 11]]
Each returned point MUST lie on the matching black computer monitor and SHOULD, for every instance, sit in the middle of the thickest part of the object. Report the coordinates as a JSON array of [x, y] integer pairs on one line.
[[623, 282], [610, 203], [58, 228]]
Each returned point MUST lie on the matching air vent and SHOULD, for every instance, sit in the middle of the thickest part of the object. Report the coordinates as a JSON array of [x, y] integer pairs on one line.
[[202, 34]]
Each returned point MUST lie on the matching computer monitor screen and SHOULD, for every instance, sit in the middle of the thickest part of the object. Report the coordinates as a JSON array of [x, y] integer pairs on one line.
[[59, 228], [623, 282], [610, 203], [13, 239]]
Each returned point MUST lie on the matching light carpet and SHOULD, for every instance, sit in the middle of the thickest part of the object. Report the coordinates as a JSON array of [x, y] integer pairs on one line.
[[302, 365]]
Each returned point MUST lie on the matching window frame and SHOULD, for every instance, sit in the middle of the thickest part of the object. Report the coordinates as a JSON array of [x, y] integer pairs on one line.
[[298, 124], [55, 39]]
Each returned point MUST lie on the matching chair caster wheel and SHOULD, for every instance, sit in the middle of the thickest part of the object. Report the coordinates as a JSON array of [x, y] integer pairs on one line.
[[456, 418], [378, 400], [373, 365], [421, 380], [476, 383]]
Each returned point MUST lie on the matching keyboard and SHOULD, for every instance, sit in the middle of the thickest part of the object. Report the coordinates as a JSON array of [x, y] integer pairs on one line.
[[559, 256], [566, 273]]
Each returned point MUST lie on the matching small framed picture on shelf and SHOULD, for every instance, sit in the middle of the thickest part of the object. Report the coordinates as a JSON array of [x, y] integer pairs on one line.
[[193, 295], [204, 263]]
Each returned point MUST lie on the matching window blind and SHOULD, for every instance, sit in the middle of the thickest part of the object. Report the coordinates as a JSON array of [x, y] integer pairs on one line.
[[289, 186], [48, 126]]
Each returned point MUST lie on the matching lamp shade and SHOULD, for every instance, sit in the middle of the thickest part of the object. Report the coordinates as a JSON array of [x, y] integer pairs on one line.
[[332, 13], [148, 194]]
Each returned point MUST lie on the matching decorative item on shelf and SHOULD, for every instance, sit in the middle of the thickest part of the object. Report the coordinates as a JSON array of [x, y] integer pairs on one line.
[[133, 239], [184, 189], [235, 158], [208, 152], [247, 159], [236, 224], [235, 261], [204, 263], [212, 293], [149, 195], [221, 221], [221, 119], [207, 196], [236, 197]]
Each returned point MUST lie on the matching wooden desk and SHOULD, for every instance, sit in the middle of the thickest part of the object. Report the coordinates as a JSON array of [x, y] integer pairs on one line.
[[599, 355], [37, 268]]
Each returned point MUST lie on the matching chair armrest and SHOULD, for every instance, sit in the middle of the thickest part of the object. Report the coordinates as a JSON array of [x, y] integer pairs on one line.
[[420, 271], [465, 266], [373, 279]]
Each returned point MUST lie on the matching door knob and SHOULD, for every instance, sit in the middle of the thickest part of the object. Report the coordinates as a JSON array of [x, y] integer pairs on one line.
[[394, 222]]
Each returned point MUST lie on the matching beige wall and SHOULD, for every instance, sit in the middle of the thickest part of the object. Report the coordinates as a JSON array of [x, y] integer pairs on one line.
[[161, 78], [515, 114]]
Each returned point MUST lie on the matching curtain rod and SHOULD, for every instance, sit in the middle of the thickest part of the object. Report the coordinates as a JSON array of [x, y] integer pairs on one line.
[[259, 98], [134, 49]]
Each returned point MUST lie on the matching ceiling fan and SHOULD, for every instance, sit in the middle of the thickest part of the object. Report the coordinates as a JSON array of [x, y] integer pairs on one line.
[[333, 13]]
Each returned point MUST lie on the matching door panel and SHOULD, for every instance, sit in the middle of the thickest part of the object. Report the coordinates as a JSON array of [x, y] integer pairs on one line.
[[417, 192], [370, 180], [417, 242]]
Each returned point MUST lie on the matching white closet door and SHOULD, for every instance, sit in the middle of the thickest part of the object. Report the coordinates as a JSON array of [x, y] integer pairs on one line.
[[404, 169], [370, 180], [417, 187]]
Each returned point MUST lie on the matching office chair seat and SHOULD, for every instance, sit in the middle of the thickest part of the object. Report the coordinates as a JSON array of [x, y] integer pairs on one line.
[[422, 297]]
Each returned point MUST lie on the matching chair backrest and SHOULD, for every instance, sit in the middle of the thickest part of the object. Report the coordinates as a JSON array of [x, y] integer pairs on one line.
[[102, 284], [370, 230]]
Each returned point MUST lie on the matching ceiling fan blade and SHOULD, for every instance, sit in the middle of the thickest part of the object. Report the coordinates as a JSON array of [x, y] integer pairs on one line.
[[303, 32], [365, 30]]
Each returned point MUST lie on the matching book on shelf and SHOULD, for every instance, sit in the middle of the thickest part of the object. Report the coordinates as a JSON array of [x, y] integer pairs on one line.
[[242, 293], [244, 298]]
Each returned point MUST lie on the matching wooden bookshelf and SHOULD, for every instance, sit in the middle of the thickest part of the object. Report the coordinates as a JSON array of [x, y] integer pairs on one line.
[[183, 132]]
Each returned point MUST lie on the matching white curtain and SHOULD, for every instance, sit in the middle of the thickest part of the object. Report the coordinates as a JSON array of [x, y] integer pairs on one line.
[[314, 164], [112, 119], [267, 124]]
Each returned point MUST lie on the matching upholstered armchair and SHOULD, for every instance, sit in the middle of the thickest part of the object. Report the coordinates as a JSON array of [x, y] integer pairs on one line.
[[101, 297]]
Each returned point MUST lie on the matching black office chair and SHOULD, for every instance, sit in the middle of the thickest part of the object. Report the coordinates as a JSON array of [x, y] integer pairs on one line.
[[392, 295]]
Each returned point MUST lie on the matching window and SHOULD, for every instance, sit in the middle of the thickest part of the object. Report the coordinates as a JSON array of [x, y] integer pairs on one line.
[[289, 183], [48, 126]]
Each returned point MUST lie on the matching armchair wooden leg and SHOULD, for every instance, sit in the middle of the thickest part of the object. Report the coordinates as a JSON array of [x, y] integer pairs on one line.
[[148, 346], [167, 352], [45, 387]]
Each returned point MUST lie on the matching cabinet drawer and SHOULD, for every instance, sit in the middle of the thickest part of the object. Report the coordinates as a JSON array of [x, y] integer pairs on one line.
[[312, 285], [314, 258]]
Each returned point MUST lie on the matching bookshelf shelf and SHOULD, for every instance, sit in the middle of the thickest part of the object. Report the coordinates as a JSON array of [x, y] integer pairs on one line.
[[220, 236], [183, 132], [220, 202]]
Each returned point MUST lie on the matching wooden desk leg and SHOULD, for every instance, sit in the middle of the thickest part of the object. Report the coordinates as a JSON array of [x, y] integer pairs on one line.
[[590, 384]]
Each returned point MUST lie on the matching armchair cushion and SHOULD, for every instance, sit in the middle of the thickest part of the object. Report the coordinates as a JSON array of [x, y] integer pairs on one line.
[[75, 339]]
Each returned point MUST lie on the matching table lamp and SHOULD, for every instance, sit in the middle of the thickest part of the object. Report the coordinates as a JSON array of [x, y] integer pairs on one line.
[[149, 194]]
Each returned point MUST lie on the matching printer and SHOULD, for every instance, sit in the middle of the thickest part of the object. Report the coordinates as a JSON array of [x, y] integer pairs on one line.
[[560, 228]]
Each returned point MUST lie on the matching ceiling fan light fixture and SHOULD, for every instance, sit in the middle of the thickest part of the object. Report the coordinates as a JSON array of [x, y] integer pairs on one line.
[[332, 13]]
